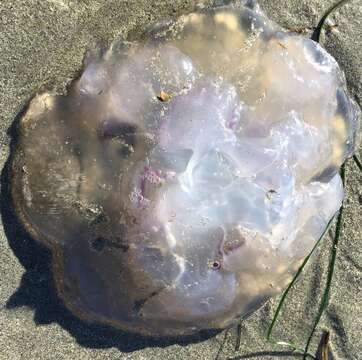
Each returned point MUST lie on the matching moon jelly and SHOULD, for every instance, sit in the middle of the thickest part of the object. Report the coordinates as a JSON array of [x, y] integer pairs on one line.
[[184, 177]]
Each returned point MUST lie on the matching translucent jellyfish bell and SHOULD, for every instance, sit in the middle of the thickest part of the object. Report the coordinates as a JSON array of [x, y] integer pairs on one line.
[[184, 177]]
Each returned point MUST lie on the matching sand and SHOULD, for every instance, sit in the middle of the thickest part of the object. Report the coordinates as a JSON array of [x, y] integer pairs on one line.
[[42, 43]]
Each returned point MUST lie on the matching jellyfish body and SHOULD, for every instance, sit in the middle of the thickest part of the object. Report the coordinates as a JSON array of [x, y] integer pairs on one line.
[[184, 177]]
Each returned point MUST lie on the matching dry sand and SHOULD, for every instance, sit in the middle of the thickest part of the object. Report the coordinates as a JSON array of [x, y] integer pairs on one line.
[[42, 43]]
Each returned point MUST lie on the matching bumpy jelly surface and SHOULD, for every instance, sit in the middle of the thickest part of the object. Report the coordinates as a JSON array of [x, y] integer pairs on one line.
[[185, 176]]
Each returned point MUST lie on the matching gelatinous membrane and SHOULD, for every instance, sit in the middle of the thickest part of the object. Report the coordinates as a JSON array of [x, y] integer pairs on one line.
[[184, 177]]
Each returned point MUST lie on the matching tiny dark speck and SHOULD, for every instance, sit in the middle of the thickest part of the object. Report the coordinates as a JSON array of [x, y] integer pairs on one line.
[[98, 244], [216, 265]]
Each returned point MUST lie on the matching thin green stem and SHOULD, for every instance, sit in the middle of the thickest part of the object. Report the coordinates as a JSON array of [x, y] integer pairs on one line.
[[316, 37], [238, 337], [332, 262], [357, 162], [317, 32], [295, 278], [221, 348]]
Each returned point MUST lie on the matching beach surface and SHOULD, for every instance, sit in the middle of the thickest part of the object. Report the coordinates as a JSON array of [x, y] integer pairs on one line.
[[42, 44]]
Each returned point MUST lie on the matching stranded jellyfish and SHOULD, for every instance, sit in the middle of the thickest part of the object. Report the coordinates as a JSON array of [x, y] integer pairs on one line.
[[184, 177]]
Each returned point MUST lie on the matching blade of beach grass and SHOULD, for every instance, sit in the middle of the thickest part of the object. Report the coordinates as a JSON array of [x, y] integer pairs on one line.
[[295, 278], [317, 32], [331, 267], [357, 162], [223, 341], [238, 338], [316, 37], [328, 285]]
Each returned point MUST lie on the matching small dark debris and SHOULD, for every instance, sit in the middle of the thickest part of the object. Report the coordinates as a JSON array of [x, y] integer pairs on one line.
[[270, 193], [139, 304], [126, 151], [116, 128], [99, 219], [164, 96], [324, 351], [331, 29], [98, 244], [233, 244], [216, 265], [301, 30], [282, 45]]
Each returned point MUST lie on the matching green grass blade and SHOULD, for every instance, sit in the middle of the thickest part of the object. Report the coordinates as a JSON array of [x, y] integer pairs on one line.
[[357, 162], [221, 348], [316, 37], [317, 32], [331, 266], [295, 278], [238, 337]]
